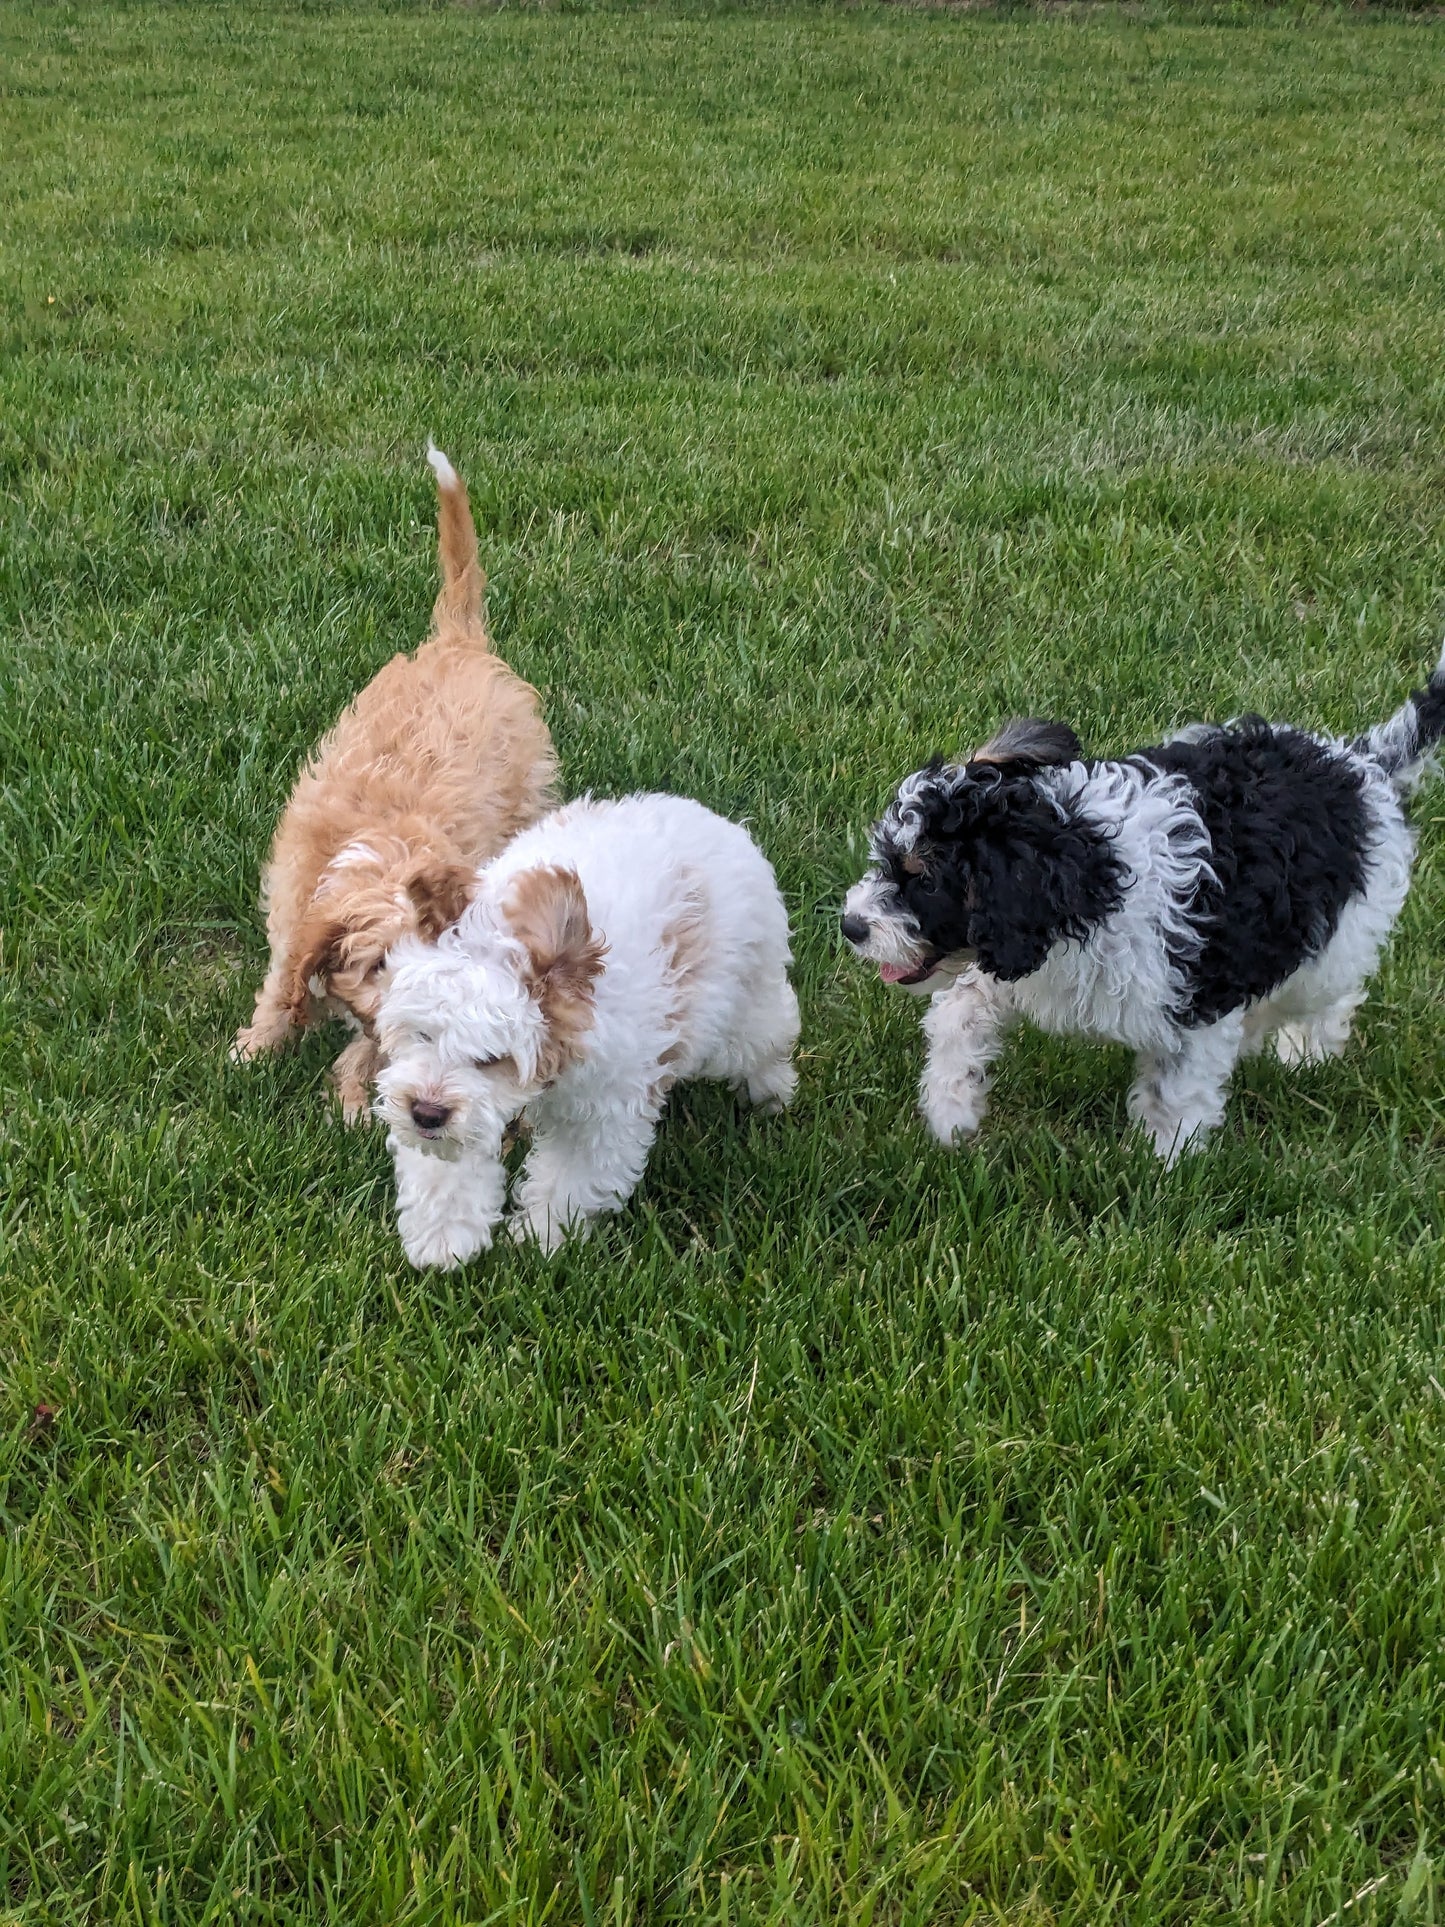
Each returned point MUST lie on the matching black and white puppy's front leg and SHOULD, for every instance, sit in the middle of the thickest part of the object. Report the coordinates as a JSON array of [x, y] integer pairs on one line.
[[1180, 1092], [965, 1026]]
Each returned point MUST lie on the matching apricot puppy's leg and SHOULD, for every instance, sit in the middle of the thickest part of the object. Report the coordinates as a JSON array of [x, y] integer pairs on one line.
[[351, 1078], [270, 1024]]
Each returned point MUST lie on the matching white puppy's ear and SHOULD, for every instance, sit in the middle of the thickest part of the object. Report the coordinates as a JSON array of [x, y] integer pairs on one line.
[[547, 912]]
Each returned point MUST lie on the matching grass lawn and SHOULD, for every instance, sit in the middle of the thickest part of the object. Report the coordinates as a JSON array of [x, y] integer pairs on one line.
[[851, 1531]]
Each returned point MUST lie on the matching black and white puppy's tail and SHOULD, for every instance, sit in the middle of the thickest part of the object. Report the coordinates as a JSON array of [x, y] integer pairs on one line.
[[1403, 745]]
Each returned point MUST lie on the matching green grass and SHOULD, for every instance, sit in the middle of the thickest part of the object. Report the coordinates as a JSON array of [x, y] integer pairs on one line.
[[851, 1532]]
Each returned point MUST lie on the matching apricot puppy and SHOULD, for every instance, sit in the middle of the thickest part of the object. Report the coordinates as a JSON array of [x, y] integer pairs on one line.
[[427, 773]]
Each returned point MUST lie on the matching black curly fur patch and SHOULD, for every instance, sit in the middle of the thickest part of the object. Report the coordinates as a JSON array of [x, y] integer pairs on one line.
[[1290, 833], [988, 859], [1005, 871]]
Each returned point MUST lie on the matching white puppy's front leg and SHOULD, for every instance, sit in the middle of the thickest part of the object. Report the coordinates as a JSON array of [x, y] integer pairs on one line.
[[579, 1168], [965, 1026], [446, 1208]]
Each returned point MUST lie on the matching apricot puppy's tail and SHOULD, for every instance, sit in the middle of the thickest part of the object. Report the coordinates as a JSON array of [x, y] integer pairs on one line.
[[462, 601]]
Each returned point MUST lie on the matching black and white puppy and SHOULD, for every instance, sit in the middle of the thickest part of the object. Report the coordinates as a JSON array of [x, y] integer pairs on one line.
[[1191, 900]]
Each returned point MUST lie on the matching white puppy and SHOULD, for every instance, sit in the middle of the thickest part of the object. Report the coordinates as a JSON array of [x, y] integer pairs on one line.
[[609, 952]]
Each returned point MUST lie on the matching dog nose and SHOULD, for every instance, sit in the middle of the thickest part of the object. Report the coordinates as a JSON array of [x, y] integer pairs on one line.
[[855, 929], [427, 1116]]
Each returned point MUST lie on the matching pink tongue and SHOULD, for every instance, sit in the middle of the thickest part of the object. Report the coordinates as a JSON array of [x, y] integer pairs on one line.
[[892, 973]]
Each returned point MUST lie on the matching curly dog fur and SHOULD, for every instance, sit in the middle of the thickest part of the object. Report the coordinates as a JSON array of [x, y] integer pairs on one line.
[[428, 772], [614, 950], [1193, 900]]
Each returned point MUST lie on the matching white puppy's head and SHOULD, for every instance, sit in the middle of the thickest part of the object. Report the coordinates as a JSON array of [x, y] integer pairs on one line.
[[475, 1026]]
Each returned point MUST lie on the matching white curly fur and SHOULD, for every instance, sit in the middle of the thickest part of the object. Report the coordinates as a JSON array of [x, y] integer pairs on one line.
[[673, 954]]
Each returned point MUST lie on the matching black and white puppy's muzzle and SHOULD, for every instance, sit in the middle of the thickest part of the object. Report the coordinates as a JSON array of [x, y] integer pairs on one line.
[[878, 926]]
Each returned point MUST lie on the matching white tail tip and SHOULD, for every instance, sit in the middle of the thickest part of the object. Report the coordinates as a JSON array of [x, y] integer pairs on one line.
[[446, 475]]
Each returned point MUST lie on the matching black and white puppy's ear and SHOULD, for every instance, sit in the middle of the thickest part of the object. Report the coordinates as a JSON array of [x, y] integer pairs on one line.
[[1037, 877], [1030, 743]]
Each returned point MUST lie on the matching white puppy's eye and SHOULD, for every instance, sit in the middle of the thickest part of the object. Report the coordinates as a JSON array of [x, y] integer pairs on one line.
[[424, 1037], [485, 1063]]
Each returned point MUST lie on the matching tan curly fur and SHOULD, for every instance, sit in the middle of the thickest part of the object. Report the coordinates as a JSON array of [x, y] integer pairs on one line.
[[437, 763], [547, 912]]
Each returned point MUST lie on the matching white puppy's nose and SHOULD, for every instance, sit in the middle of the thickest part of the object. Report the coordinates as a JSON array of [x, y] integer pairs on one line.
[[427, 1116]]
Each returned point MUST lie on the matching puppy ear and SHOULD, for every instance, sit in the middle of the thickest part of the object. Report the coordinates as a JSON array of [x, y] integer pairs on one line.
[[1030, 743], [547, 912], [1036, 879], [318, 953], [440, 892]]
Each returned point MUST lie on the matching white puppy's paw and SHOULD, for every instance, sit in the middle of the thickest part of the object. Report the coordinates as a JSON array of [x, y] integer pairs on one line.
[[771, 1090], [442, 1247]]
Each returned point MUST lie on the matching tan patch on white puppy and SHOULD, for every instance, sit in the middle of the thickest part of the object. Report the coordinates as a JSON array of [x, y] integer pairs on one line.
[[683, 944], [547, 912]]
